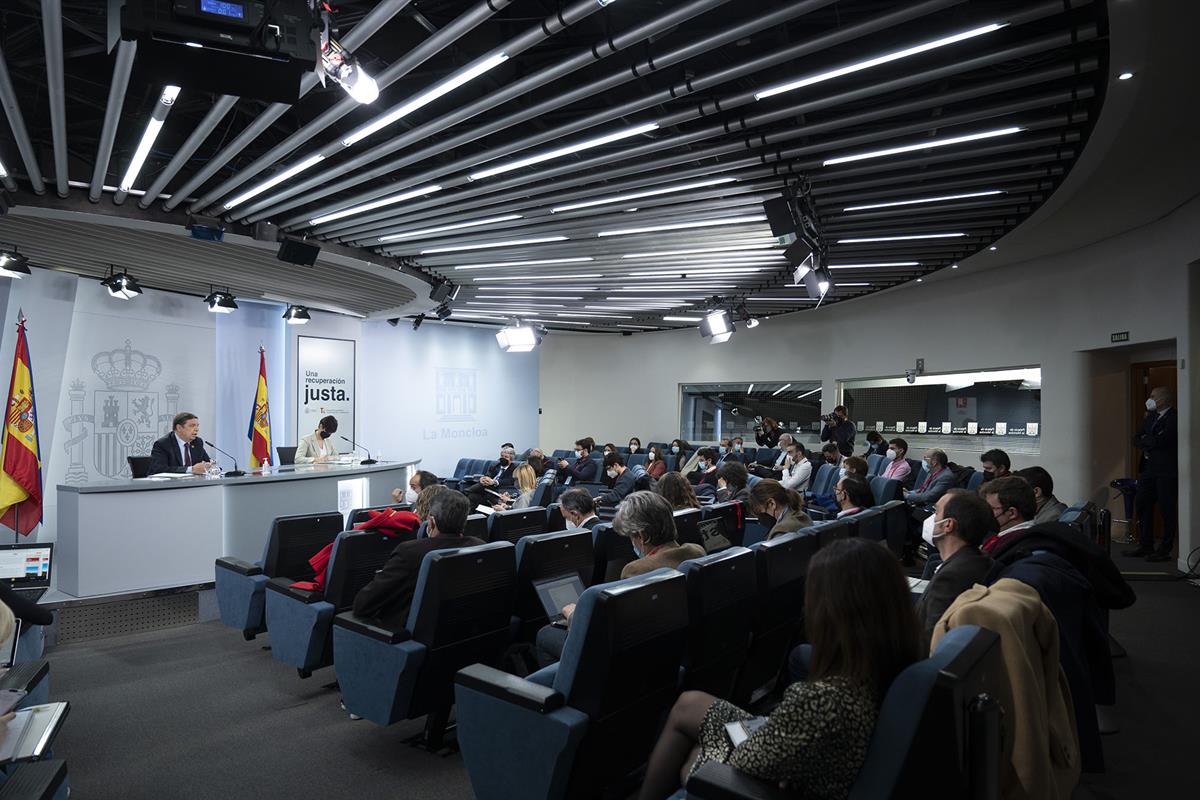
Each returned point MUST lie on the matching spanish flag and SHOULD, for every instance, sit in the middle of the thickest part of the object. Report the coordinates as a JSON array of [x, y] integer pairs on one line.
[[21, 473], [260, 418]]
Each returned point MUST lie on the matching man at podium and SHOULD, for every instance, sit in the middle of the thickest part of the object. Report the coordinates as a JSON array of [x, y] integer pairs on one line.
[[181, 450]]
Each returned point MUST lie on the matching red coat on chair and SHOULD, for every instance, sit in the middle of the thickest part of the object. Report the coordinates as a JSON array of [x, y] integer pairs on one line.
[[389, 522]]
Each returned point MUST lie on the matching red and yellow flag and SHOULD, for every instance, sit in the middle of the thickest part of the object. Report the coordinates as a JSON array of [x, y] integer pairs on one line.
[[21, 464], [260, 418]]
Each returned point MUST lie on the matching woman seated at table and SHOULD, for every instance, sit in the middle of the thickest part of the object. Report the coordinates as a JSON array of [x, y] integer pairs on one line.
[[863, 630], [317, 447]]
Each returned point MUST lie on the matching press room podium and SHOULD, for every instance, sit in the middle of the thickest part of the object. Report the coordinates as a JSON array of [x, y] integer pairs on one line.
[[134, 535]]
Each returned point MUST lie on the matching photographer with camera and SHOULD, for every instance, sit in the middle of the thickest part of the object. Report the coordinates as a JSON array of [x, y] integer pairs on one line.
[[767, 432], [839, 430]]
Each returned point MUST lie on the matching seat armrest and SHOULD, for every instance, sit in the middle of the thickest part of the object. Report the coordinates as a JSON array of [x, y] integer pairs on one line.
[[282, 586], [39, 780], [239, 566], [502, 685], [369, 629], [24, 675], [818, 514], [717, 781]]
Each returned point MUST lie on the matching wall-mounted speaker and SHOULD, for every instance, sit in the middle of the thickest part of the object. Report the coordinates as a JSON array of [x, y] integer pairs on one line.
[[295, 251]]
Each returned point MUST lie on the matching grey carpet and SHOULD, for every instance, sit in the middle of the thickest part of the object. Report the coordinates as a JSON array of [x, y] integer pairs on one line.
[[196, 712]]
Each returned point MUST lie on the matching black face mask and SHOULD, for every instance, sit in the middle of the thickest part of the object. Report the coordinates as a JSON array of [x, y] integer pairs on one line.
[[987, 475], [326, 434]]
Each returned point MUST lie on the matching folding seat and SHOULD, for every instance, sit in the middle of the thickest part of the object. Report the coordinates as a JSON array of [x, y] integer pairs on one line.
[[721, 591], [578, 728], [29, 674], [560, 454], [636, 460], [687, 526], [824, 481], [611, 552], [780, 565], [734, 515], [358, 515], [767, 456], [975, 481], [462, 469], [300, 620], [292, 541], [554, 518], [1083, 516], [37, 780], [623, 451], [896, 517], [461, 612], [942, 709], [885, 490], [916, 473], [477, 526], [541, 557], [830, 529], [869, 525], [509, 526], [875, 464], [663, 447]]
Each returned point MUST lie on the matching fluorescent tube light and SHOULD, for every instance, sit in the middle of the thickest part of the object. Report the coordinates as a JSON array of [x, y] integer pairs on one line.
[[464, 75], [275, 180], [678, 226], [806, 394], [590, 314], [636, 195], [751, 389], [780, 389], [876, 264], [536, 277], [3, 171], [486, 245], [725, 249], [456, 226], [374, 204], [687, 271], [557, 322], [908, 148], [779, 299], [901, 238], [942, 199], [536, 263], [874, 62], [587, 144], [153, 127], [681, 319], [525, 297]]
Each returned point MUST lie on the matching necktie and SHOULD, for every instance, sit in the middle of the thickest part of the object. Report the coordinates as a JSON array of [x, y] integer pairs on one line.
[[187, 455]]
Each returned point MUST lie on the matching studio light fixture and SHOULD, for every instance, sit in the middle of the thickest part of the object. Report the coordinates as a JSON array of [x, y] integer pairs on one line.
[[559, 152], [456, 226], [717, 326], [535, 263], [221, 302], [157, 118], [942, 199], [443, 311], [297, 315], [275, 180], [121, 285], [517, 338], [679, 226], [486, 245], [908, 148], [417, 320], [344, 69], [900, 238], [621, 198], [878, 60], [464, 75], [13, 264], [374, 204]]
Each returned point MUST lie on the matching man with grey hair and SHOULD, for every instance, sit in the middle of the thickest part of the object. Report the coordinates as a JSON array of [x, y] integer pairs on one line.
[[775, 471], [1158, 475], [648, 522], [939, 479], [498, 477]]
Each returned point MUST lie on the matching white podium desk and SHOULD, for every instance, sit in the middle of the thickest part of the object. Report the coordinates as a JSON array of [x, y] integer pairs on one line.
[[133, 535]]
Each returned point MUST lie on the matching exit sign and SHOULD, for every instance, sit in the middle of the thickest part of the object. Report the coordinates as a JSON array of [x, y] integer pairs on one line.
[[1120, 336]]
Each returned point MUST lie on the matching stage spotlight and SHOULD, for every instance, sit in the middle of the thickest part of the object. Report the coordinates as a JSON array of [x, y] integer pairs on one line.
[[221, 302], [13, 264], [517, 338], [297, 315], [443, 311], [121, 285], [717, 326]]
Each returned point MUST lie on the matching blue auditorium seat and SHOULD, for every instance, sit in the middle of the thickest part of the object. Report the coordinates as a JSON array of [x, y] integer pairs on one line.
[[636, 460], [975, 481], [868, 524], [611, 551], [824, 481], [1083, 516], [896, 516], [509, 526], [37, 780], [292, 541], [780, 566], [766, 456], [461, 614], [885, 490], [875, 464], [561, 454], [543, 494], [462, 469], [300, 620], [554, 518], [830, 529], [477, 526], [942, 709], [734, 515], [916, 473], [578, 728], [542, 557], [721, 590]]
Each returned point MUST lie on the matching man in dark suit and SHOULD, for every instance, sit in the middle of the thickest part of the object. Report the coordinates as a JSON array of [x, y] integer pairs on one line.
[[1158, 478], [578, 509], [961, 521], [937, 482], [495, 479], [585, 467], [388, 598], [182, 450]]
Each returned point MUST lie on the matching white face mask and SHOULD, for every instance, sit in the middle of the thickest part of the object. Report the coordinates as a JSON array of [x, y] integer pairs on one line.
[[892, 455], [650, 456], [737, 447], [1151, 405], [579, 454], [410, 496], [633, 448], [612, 473], [931, 522], [842, 472]]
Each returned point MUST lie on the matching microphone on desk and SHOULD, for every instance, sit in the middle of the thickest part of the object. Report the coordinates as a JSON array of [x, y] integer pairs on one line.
[[233, 473], [368, 460]]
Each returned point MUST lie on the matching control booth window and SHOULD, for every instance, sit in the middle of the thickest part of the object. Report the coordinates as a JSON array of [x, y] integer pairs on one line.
[[711, 411], [964, 411]]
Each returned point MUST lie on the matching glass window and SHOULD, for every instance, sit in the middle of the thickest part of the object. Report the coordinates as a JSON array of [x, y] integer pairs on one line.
[[711, 411], [965, 411]]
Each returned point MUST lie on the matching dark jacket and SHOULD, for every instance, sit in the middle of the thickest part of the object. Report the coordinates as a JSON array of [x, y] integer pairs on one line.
[[165, 456], [503, 476], [624, 484], [936, 484], [842, 435], [769, 438], [28, 612], [876, 449], [1108, 585], [1159, 442], [582, 471], [387, 599], [958, 573]]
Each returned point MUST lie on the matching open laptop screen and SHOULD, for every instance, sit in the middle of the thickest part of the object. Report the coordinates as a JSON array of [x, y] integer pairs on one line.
[[25, 564], [558, 592]]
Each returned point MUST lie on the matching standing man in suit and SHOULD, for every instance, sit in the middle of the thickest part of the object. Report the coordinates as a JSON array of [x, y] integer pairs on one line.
[[388, 598], [1158, 478], [961, 521], [939, 481], [182, 450]]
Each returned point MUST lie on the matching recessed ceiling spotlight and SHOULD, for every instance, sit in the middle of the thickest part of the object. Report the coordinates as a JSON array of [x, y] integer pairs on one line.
[[954, 266], [992, 248], [920, 280], [1124, 76]]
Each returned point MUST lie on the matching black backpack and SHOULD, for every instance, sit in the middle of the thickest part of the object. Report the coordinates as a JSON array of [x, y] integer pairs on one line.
[[962, 475]]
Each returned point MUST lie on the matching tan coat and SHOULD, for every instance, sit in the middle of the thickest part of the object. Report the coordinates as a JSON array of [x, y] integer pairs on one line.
[[671, 555], [1041, 758]]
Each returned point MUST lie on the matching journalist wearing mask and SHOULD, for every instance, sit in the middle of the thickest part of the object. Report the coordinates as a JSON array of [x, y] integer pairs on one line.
[[839, 430], [317, 447]]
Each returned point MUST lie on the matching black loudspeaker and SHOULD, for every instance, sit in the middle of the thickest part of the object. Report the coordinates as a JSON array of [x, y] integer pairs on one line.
[[779, 216], [295, 251]]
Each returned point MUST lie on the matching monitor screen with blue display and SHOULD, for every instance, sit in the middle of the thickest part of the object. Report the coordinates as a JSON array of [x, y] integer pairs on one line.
[[223, 9]]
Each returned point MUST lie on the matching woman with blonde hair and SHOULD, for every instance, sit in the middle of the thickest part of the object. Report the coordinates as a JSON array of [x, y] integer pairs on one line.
[[526, 481]]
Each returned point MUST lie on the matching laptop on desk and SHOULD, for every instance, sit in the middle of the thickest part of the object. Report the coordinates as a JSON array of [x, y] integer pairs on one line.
[[25, 567], [556, 593]]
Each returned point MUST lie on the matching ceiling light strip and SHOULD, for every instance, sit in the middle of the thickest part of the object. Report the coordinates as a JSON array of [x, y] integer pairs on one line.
[[456, 226], [942, 199], [486, 245], [908, 148], [548, 155], [678, 226], [638, 195]]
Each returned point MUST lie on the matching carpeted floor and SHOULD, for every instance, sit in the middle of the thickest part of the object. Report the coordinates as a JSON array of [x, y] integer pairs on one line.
[[197, 713]]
